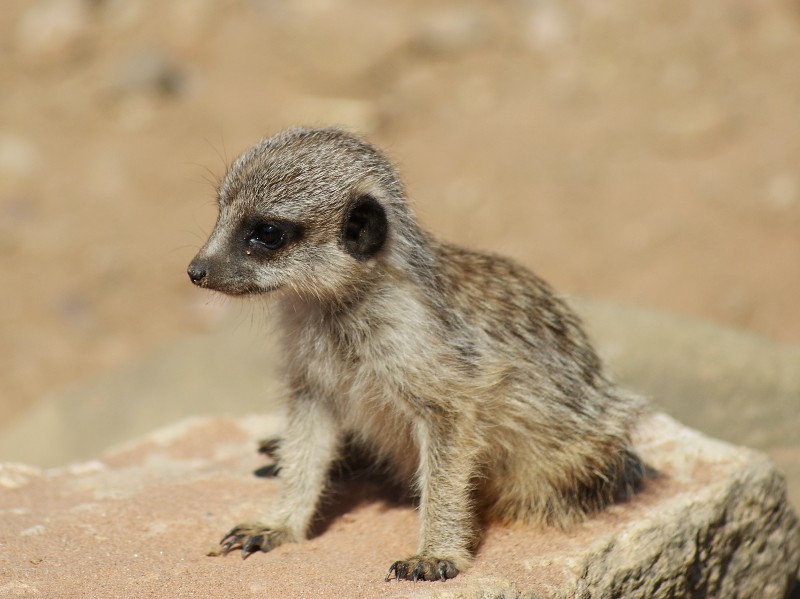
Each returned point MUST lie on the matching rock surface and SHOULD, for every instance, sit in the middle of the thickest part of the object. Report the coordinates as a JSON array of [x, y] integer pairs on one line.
[[138, 523]]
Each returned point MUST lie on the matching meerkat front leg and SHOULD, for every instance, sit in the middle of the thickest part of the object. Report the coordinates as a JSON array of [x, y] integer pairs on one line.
[[447, 520], [306, 453]]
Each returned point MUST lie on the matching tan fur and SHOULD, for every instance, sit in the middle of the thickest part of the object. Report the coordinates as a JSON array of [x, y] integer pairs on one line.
[[461, 370]]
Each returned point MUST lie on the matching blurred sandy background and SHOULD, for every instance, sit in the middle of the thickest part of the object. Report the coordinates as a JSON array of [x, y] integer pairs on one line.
[[647, 153]]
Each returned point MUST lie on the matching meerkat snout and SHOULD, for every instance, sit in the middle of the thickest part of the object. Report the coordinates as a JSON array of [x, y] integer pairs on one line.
[[197, 272]]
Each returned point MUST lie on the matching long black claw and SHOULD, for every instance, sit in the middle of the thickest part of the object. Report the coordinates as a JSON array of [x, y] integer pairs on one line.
[[252, 545], [392, 568], [269, 446], [227, 547], [442, 572], [268, 471], [417, 572], [231, 533]]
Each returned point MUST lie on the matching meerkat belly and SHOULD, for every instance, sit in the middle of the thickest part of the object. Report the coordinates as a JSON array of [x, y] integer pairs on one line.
[[392, 390], [386, 436], [366, 385], [375, 411]]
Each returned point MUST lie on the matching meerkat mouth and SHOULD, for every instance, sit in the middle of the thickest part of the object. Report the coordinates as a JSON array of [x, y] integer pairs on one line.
[[246, 291]]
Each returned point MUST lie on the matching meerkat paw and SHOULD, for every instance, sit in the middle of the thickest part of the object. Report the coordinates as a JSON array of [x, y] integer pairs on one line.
[[252, 537], [421, 567], [269, 446]]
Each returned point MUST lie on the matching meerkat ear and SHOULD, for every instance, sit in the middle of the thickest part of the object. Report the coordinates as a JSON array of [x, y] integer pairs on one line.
[[365, 227]]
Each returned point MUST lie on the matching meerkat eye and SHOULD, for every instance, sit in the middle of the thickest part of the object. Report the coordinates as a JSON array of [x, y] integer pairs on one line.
[[268, 235]]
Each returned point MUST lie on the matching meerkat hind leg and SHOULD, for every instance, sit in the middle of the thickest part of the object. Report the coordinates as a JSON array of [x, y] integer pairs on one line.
[[354, 460]]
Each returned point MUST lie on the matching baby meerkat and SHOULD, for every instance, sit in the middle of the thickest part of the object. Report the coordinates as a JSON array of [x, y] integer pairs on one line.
[[461, 370]]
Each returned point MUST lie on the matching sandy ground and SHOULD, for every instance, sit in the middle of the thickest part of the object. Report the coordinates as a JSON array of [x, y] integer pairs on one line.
[[648, 153], [139, 522]]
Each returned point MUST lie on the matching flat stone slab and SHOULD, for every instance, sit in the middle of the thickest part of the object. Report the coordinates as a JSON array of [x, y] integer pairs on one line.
[[138, 523]]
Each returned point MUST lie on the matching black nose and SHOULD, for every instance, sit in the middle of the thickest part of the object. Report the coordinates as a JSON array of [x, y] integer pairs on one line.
[[197, 272]]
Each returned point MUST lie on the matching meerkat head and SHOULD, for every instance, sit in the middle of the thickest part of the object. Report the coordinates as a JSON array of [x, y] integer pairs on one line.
[[309, 210]]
